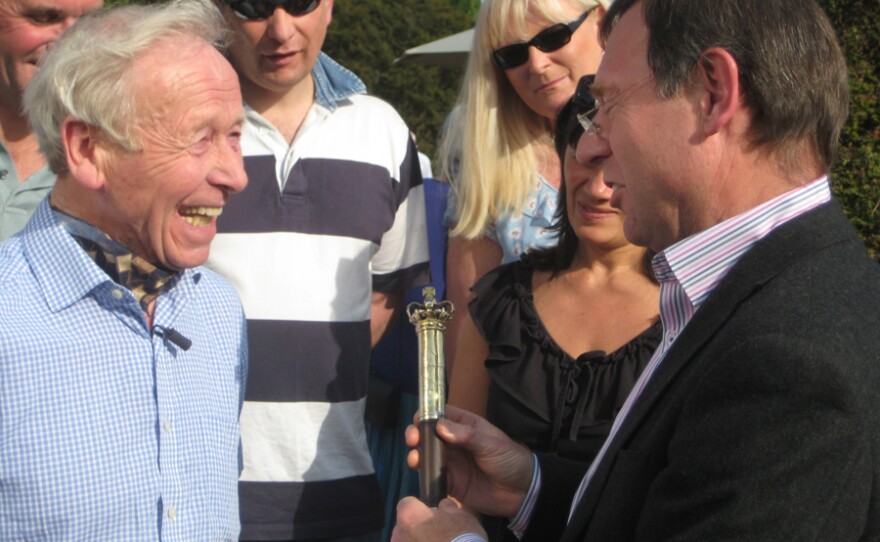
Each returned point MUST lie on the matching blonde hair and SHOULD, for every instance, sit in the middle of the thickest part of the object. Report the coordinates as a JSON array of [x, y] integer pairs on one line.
[[487, 151], [87, 73]]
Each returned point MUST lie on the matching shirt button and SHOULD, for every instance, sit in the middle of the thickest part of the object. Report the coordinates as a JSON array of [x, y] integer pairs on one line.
[[166, 425], [172, 512], [117, 294]]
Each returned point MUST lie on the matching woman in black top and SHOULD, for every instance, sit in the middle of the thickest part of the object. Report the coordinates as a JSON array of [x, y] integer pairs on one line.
[[553, 343]]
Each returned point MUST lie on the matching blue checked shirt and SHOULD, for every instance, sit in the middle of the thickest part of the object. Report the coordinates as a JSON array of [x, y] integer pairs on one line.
[[109, 431]]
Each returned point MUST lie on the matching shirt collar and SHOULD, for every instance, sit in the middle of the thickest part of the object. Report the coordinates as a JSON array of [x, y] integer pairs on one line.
[[334, 83], [45, 243], [145, 280], [39, 180], [701, 261]]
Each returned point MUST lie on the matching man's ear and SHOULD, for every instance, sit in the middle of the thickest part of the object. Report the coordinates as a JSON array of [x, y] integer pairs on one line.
[[81, 146], [718, 74]]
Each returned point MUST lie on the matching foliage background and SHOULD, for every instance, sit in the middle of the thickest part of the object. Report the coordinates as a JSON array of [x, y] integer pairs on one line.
[[857, 172], [367, 35]]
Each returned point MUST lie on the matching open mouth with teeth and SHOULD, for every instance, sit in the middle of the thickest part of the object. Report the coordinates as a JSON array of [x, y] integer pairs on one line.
[[199, 216]]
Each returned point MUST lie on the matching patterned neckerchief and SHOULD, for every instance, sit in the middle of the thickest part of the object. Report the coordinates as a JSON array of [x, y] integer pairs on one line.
[[145, 280]]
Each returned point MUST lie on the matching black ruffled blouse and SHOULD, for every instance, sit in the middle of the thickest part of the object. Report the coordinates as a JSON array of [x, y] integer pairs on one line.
[[538, 394]]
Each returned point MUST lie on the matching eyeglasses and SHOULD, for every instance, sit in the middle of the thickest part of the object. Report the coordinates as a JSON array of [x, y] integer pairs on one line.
[[547, 40], [261, 9], [600, 106]]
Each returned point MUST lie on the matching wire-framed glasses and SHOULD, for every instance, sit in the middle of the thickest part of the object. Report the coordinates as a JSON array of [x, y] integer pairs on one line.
[[583, 94]]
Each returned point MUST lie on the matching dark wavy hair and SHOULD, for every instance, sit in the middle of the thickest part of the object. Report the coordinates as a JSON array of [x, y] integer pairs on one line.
[[559, 258]]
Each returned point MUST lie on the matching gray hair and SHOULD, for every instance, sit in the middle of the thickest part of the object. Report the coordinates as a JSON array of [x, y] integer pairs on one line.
[[87, 73]]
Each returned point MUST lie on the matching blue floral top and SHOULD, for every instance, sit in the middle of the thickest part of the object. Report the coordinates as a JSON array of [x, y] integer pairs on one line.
[[527, 231], [524, 232]]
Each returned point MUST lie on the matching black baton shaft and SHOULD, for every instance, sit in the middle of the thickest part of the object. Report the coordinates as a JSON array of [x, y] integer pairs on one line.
[[432, 464]]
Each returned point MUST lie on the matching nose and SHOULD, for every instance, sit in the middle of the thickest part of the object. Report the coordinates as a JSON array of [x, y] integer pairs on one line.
[[280, 25], [538, 60], [67, 23], [588, 179], [592, 149], [597, 187], [228, 173], [58, 28]]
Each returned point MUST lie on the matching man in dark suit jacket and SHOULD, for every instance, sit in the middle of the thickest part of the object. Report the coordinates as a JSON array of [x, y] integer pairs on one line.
[[759, 416]]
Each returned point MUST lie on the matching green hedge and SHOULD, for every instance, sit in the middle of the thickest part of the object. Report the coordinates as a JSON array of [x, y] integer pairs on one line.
[[856, 175]]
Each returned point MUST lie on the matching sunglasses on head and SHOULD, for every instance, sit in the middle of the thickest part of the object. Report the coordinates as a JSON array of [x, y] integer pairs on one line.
[[582, 105], [547, 40], [585, 106], [263, 9], [583, 100]]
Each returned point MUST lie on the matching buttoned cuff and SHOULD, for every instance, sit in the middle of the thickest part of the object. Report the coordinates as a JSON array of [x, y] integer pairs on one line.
[[520, 522]]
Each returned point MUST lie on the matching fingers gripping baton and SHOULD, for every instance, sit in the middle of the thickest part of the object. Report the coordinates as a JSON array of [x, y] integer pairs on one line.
[[430, 320]]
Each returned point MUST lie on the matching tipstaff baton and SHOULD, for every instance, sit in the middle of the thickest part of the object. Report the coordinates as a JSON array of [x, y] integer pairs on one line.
[[430, 320]]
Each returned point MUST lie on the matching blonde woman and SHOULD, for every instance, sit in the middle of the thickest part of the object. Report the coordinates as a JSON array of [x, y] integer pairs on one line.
[[526, 60]]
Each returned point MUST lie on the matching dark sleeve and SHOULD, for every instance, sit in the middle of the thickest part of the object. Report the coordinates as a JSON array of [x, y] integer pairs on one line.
[[560, 479], [772, 443], [495, 312]]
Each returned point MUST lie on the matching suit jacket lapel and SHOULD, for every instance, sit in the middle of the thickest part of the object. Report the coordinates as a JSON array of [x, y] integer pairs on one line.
[[783, 247], [698, 331]]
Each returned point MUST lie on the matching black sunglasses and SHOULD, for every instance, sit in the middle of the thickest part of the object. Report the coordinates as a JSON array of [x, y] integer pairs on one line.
[[583, 100], [547, 40], [263, 9]]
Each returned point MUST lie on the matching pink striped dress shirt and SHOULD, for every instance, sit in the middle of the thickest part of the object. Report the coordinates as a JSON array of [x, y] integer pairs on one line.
[[688, 272]]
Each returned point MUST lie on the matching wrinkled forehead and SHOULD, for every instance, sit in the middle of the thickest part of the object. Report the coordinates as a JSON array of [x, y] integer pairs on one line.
[[73, 8], [183, 69], [628, 41], [626, 54]]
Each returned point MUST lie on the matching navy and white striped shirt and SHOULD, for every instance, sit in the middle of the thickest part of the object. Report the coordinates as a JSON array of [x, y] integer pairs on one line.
[[324, 222]]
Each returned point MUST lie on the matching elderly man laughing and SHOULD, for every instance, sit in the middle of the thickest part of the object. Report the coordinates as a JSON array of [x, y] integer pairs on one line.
[[123, 363]]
